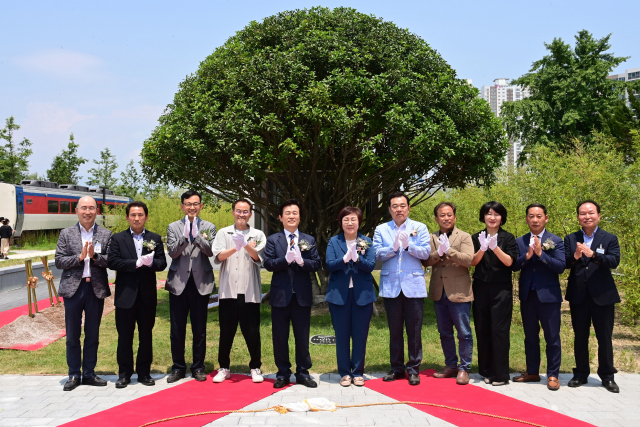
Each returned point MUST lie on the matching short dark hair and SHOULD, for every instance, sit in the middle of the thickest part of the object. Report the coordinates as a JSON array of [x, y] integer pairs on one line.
[[349, 210], [441, 204], [497, 207], [189, 193], [535, 205], [136, 204], [290, 202], [587, 201], [397, 194], [233, 206]]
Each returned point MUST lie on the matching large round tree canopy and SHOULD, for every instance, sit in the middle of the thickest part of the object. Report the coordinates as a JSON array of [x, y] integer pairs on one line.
[[333, 107]]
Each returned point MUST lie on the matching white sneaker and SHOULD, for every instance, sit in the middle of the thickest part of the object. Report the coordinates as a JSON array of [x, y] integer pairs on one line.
[[256, 376], [222, 375]]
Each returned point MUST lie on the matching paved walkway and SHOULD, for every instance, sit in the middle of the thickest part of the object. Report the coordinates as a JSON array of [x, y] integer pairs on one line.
[[40, 401], [26, 254]]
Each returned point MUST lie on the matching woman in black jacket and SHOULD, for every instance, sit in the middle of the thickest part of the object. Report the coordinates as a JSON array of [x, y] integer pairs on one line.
[[493, 291]]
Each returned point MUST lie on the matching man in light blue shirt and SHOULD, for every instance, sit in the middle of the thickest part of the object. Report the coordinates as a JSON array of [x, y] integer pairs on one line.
[[401, 244]]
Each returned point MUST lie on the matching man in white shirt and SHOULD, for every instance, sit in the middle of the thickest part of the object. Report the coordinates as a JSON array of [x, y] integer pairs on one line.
[[239, 248]]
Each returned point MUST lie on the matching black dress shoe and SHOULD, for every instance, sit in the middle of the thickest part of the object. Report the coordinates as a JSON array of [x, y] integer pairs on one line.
[[146, 381], [414, 379], [281, 382], [307, 382], [611, 386], [94, 381], [175, 376], [71, 383], [392, 376], [199, 375], [123, 382], [577, 382]]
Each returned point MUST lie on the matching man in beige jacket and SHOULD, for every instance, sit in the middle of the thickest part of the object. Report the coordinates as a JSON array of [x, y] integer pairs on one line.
[[450, 289]]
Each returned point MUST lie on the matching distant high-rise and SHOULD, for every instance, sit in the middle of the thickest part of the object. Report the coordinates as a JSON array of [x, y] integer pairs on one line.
[[628, 76], [496, 95]]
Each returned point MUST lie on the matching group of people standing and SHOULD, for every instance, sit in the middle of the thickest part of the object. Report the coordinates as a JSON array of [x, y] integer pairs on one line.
[[404, 247]]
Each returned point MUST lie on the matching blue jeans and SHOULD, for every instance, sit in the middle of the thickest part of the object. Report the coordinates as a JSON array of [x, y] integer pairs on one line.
[[449, 314]]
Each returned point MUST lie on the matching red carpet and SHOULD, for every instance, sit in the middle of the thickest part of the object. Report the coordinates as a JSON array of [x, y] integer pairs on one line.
[[472, 398], [9, 316], [183, 399]]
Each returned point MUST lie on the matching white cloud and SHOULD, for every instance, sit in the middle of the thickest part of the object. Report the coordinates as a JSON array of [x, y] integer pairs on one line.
[[63, 63], [48, 117]]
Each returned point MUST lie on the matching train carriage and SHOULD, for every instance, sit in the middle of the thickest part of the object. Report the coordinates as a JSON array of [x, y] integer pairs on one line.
[[41, 205]]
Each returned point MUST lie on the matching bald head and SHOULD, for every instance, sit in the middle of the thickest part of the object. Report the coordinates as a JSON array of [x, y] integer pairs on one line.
[[87, 209]]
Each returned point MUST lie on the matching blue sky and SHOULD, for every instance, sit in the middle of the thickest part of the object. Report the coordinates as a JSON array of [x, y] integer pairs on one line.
[[106, 70]]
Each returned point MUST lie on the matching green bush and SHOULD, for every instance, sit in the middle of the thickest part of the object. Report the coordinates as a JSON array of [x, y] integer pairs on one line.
[[163, 210], [560, 180]]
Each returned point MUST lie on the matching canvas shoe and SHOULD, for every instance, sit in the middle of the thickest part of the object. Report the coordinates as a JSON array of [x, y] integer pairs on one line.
[[222, 375], [256, 376]]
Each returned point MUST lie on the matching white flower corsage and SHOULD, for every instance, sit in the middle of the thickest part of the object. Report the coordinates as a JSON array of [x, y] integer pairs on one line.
[[149, 244], [206, 236], [304, 245], [362, 245], [413, 233], [548, 244], [254, 239]]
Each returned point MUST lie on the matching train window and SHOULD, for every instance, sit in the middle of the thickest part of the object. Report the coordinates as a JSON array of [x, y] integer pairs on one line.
[[52, 206], [65, 207], [73, 206], [29, 201], [20, 208]]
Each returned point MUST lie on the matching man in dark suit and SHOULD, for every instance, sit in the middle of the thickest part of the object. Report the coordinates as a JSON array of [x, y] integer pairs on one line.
[[292, 256], [82, 255], [591, 253], [136, 254], [540, 260], [189, 282]]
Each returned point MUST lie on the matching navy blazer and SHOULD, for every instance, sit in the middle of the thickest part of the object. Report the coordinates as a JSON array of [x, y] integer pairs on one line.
[[342, 273], [289, 277], [592, 273], [542, 271]]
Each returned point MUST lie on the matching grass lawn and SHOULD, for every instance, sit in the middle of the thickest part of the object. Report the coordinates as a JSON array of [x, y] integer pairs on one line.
[[52, 360]]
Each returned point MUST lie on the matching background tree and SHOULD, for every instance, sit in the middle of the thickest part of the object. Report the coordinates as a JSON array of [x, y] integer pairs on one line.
[[14, 156], [65, 166], [570, 94], [131, 182], [332, 107], [622, 123], [103, 174]]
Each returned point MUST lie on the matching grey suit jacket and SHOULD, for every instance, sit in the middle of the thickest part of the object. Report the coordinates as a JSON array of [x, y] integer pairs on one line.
[[190, 258], [68, 253]]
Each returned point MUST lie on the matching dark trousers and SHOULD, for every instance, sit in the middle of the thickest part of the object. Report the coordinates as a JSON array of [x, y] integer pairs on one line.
[[534, 315], [351, 323], [492, 310], [300, 319], [405, 313], [188, 303], [234, 311], [582, 315], [84, 300], [144, 316]]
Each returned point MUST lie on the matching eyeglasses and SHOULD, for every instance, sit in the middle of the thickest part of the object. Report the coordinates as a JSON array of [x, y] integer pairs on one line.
[[191, 205], [239, 212], [87, 208]]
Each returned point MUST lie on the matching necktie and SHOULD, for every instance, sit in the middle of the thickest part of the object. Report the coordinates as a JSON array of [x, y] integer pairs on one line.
[[191, 232], [292, 241]]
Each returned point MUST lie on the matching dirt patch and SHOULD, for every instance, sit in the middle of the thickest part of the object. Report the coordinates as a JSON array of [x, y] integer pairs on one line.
[[27, 330]]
